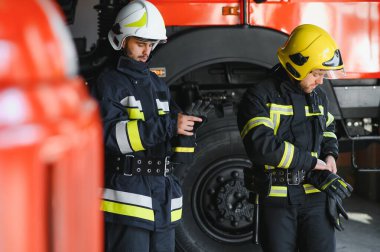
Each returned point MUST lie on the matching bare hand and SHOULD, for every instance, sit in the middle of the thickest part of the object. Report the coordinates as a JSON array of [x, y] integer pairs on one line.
[[330, 162], [321, 165], [185, 124]]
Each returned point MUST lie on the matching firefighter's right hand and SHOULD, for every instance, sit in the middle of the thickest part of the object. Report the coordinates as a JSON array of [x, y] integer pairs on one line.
[[185, 124]]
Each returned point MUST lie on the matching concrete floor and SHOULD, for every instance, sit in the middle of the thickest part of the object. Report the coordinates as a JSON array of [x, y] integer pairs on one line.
[[362, 231]]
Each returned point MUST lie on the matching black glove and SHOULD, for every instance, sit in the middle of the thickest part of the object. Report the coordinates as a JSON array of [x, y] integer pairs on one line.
[[335, 209], [330, 183], [257, 181], [336, 189], [199, 108]]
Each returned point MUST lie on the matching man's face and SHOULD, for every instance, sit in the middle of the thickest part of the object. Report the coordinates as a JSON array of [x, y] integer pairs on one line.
[[312, 80], [138, 50]]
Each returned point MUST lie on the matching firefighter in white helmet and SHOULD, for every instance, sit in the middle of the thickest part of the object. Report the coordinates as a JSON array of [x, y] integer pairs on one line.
[[288, 133], [145, 135]]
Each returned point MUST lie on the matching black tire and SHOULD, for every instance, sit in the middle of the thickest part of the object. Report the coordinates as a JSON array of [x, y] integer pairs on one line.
[[216, 215]]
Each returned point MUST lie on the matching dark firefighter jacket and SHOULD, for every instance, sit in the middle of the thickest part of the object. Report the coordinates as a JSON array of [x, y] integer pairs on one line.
[[285, 129], [140, 120]]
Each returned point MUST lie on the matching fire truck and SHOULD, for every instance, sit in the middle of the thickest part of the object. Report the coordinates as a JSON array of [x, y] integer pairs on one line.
[[215, 50]]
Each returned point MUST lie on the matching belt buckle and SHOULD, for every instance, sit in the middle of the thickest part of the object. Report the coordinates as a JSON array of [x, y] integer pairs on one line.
[[289, 178], [167, 162], [128, 156]]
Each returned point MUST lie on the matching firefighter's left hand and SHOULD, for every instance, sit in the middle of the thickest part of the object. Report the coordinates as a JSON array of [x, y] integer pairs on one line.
[[185, 124], [335, 210], [331, 164]]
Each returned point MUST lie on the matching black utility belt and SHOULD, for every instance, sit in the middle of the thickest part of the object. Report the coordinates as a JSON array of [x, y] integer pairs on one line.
[[287, 177], [147, 166]]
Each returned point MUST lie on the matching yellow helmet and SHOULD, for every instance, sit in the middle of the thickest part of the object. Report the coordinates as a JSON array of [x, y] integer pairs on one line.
[[308, 48]]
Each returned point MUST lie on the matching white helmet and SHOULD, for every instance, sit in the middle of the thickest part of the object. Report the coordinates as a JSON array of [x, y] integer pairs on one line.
[[140, 19]]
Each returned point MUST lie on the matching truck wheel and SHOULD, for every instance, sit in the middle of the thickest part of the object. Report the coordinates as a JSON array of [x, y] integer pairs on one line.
[[216, 215]]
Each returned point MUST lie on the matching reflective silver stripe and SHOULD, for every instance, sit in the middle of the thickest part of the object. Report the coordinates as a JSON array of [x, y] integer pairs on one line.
[[308, 113], [310, 189], [164, 106], [122, 137], [281, 109], [131, 102], [128, 198], [133, 107], [269, 167], [330, 119], [287, 157], [329, 134], [254, 122], [314, 154], [278, 191], [276, 110], [176, 203], [276, 122]]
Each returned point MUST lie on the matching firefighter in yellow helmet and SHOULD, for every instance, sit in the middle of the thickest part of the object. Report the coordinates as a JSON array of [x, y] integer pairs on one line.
[[288, 133], [145, 136]]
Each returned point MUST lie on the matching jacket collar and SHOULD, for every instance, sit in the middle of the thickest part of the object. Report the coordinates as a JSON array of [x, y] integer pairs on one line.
[[286, 83], [133, 68]]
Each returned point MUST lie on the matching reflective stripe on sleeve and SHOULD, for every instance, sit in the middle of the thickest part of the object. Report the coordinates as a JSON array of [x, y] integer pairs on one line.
[[314, 154], [134, 135], [330, 119], [254, 122], [122, 138], [287, 156], [183, 149], [329, 134], [269, 167]]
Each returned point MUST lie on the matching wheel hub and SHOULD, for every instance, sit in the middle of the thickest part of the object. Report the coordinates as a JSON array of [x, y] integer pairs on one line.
[[220, 201]]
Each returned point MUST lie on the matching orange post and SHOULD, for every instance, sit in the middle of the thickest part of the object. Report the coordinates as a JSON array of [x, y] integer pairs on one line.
[[51, 155]]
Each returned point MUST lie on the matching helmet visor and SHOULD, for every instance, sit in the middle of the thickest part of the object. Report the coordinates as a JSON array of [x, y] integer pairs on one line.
[[334, 74], [329, 74]]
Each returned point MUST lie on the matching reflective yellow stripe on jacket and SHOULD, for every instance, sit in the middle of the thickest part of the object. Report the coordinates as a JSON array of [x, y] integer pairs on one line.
[[129, 204], [128, 136], [136, 205], [254, 122], [282, 191], [176, 209]]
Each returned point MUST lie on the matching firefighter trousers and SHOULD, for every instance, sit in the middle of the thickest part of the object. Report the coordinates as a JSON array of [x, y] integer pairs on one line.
[[122, 238], [302, 227]]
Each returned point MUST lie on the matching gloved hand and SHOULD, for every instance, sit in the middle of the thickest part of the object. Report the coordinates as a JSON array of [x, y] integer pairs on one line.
[[336, 189], [330, 183], [199, 108], [335, 209], [257, 181]]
